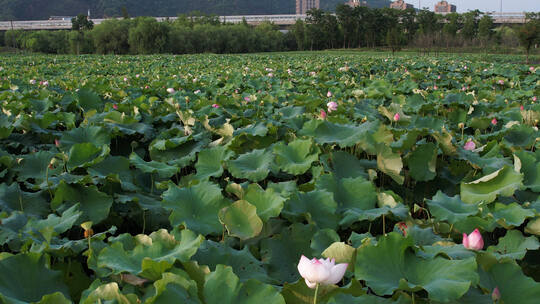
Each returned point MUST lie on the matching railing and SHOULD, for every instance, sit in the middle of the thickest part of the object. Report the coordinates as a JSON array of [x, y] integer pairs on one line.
[[252, 19]]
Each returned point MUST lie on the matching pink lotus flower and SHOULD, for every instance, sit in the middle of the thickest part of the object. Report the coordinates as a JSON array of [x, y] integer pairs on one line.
[[215, 106], [197, 92], [494, 121], [439, 77], [32, 81], [501, 82], [332, 106], [473, 241], [469, 146], [146, 87], [521, 108], [125, 79], [323, 114], [496, 294], [115, 106], [531, 69], [270, 75], [137, 75], [319, 271], [57, 143], [534, 98], [247, 99], [435, 87], [170, 91], [397, 117], [329, 94]]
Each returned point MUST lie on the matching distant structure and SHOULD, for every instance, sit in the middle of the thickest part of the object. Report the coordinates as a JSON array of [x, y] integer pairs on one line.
[[400, 5], [302, 6], [444, 7], [355, 3]]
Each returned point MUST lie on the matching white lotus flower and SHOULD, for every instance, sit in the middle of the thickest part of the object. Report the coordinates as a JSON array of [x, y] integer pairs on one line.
[[319, 271]]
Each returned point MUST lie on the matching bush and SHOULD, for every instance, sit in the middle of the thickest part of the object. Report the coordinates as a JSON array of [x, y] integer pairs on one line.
[[148, 36], [111, 37]]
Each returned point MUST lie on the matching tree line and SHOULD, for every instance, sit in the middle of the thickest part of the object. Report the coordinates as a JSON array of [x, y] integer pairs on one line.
[[358, 27]]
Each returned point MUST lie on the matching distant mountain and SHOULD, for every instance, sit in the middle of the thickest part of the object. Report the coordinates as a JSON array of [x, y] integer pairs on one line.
[[43, 9]]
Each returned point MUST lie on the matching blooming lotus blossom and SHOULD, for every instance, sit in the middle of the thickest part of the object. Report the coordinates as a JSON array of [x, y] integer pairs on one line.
[[534, 98], [496, 294], [501, 82], [125, 79], [32, 81], [473, 241], [494, 121], [319, 271], [170, 90], [215, 106], [270, 75], [397, 117], [323, 114], [115, 106], [435, 87], [197, 92], [247, 99], [469, 146], [146, 87], [329, 94], [332, 106], [439, 77], [137, 76], [531, 69]]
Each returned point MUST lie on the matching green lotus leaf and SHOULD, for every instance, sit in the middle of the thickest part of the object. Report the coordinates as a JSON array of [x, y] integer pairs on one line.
[[296, 157], [241, 220], [514, 245], [259, 129], [178, 151], [299, 293], [36, 166], [349, 193], [484, 223], [195, 207], [107, 293], [85, 155], [521, 135], [502, 182], [268, 203], [390, 163], [322, 239], [341, 252], [253, 165], [451, 250], [512, 214], [400, 211], [59, 224], [285, 189], [210, 162], [94, 204], [6, 126], [316, 207], [12, 198], [533, 227], [346, 165], [87, 134], [25, 278], [423, 236], [223, 287], [513, 285], [163, 170], [55, 298], [423, 162], [282, 252], [244, 264], [148, 256], [444, 139], [530, 167], [89, 100], [344, 298], [392, 265], [450, 209], [473, 296], [174, 288], [115, 168], [325, 132]]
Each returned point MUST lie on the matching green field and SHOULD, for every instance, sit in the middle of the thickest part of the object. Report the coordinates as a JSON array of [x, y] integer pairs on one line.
[[205, 178]]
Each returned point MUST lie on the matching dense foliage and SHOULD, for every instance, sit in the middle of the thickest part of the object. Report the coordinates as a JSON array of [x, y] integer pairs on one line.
[[40, 10], [348, 28], [203, 179]]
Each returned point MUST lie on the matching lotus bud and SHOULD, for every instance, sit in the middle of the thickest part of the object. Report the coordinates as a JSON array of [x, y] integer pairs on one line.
[[473, 241], [170, 90], [501, 82], [397, 117], [319, 271], [494, 121], [57, 143], [496, 294], [323, 114], [521, 108], [215, 106], [32, 81], [534, 98], [461, 125], [115, 106], [329, 94]]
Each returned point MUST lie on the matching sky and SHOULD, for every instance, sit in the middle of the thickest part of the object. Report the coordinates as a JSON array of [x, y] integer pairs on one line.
[[509, 6]]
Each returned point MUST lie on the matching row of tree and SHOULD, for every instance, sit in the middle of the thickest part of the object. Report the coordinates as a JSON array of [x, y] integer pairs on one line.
[[347, 28]]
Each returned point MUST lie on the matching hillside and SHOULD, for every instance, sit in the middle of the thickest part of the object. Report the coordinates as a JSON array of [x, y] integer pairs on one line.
[[43, 9]]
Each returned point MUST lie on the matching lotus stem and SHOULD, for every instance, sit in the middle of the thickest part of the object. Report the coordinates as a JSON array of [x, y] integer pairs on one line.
[[316, 291]]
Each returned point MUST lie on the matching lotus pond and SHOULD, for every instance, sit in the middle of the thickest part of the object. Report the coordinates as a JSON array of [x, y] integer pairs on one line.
[[204, 179]]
